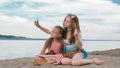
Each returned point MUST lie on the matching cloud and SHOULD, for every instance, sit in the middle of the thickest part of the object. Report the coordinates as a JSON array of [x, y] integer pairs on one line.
[[97, 16], [20, 26], [4, 1], [12, 5], [12, 20]]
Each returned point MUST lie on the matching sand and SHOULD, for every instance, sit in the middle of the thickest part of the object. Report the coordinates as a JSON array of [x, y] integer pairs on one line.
[[111, 58]]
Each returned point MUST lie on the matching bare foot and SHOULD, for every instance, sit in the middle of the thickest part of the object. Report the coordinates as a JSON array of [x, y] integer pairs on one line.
[[37, 64], [97, 61]]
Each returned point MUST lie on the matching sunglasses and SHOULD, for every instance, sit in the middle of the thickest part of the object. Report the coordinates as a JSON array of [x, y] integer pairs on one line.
[[71, 15]]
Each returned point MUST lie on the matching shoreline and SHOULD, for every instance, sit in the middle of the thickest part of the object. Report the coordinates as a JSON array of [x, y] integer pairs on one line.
[[111, 58], [90, 53]]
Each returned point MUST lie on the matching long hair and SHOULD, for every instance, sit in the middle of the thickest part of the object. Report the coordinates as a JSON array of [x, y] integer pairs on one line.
[[75, 25], [60, 39]]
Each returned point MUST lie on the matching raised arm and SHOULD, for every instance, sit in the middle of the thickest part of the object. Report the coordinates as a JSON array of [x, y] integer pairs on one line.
[[78, 40], [36, 22]]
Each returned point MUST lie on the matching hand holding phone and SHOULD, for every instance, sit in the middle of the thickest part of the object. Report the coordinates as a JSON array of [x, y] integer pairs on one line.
[[36, 22]]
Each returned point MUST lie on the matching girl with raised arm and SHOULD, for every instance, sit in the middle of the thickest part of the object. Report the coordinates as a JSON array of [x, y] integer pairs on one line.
[[54, 45]]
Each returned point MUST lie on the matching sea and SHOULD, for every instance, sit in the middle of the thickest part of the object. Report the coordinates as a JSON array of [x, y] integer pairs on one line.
[[10, 49]]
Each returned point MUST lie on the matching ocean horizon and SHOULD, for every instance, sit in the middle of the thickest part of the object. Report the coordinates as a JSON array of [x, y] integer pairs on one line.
[[10, 49]]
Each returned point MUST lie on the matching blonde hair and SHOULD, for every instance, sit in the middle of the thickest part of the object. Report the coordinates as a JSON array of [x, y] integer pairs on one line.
[[75, 25]]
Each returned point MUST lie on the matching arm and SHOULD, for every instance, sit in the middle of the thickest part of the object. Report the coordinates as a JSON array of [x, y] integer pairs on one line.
[[44, 49], [62, 46], [41, 28], [78, 40]]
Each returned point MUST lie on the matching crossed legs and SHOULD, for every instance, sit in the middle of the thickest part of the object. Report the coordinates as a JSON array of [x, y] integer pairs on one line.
[[39, 60]]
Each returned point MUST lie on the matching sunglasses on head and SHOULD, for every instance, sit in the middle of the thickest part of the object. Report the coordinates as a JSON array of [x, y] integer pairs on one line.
[[71, 15]]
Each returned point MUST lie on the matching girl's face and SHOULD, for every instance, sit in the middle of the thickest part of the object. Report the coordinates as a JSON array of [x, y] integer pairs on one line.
[[55, 33], [67, 23]]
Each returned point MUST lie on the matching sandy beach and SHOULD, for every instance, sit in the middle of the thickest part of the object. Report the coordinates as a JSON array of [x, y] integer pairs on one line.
[[111, 58]]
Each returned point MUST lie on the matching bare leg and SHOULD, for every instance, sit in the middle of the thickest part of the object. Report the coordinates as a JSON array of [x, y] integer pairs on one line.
[[51, 61], [39, 60], [66, 61], [97, 61], [78, 60]]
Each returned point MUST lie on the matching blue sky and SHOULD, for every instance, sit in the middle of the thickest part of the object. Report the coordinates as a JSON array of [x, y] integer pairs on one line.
[[99, 19], [116, 1]]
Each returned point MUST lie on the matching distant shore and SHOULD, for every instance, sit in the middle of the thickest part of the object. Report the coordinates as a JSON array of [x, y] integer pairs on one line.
[[111, 58], [12, 37]]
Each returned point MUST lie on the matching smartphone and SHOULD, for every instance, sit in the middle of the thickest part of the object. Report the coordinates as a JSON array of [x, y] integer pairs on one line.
[[36, 21]]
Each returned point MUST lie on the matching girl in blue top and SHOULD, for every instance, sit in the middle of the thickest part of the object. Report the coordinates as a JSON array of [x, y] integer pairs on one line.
[[72, 42]]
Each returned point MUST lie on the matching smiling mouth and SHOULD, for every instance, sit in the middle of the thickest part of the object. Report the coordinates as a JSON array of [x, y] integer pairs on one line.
[[66, 23]]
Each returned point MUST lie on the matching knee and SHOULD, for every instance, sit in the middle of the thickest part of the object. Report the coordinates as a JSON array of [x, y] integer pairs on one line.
[[62, 61], [66, 61], [36, 57], [75, 63]]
